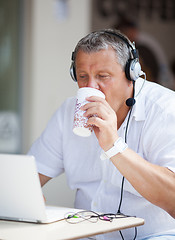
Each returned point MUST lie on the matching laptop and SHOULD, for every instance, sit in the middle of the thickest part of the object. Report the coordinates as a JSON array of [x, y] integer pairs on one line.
[[21, 197]]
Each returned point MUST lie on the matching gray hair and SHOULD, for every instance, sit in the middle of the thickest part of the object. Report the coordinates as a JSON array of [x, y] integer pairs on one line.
[[102, 39]]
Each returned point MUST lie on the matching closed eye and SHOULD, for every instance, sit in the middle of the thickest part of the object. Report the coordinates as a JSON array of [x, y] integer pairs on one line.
[[82, 76], [101, 76]]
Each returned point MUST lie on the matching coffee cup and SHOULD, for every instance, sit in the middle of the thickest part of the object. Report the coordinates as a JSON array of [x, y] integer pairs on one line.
[[80, 126]]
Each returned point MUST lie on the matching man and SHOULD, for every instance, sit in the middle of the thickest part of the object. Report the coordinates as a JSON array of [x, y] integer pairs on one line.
[[136, 178]]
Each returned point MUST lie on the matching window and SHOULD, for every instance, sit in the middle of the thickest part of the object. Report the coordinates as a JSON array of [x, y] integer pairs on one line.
[[10, 84]]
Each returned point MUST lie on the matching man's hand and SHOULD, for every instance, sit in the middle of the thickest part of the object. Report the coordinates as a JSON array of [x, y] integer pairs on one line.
[[104, 119]]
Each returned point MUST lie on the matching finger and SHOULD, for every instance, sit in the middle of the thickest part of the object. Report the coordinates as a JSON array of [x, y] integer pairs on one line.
[[102, 125], [96, 121], [97, 99], [98, 105], [98, 110]]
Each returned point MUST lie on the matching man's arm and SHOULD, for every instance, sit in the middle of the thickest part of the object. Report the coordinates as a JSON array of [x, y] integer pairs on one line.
[[155, 183], [43, 179]]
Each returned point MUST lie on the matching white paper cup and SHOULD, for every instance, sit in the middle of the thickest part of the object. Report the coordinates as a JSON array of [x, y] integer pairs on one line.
[[80, 126]]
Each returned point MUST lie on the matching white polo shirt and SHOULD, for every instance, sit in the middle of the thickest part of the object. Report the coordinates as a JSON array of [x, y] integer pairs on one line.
[[151, 134]]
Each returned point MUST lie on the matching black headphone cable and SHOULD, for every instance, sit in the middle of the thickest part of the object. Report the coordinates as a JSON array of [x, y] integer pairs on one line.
[[123, 178]]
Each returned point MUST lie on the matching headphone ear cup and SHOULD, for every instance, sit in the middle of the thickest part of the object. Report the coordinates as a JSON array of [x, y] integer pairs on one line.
[[72, 72], [133, 69], [127, 69]]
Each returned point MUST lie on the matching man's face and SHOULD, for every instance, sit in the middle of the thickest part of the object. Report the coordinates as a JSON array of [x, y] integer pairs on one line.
[[101, 70]]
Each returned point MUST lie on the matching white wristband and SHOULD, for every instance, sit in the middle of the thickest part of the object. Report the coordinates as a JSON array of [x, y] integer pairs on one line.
[[119, 146]]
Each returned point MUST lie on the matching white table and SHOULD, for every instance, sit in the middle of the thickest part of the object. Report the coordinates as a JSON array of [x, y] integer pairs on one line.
[[61, 230]]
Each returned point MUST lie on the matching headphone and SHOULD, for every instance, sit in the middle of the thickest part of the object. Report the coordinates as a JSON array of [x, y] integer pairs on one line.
[[132, 68]]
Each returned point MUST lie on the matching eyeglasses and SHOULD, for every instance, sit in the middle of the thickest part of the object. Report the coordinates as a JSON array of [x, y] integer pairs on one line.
[[91, 216]]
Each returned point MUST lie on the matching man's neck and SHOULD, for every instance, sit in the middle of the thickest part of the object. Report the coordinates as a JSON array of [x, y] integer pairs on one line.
[[121, 115]]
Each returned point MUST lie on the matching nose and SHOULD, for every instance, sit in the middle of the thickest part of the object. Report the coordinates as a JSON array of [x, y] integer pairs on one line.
[[92, 82]]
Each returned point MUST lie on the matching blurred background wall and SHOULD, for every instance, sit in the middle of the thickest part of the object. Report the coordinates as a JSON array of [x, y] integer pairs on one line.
[[37, 38], [55, 27]]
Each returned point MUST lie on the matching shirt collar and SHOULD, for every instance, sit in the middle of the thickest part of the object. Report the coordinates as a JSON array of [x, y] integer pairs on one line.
[[138, 111], [139, 107]]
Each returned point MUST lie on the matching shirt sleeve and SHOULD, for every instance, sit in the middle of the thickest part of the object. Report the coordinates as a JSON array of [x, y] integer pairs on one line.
[[47, 149], [159, 139]]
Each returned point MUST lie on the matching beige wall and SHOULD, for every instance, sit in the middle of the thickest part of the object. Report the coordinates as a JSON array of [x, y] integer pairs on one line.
[[48, 44]]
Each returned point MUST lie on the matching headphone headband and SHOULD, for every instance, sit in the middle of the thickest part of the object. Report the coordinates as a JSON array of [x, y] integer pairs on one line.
[[128, 43]]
